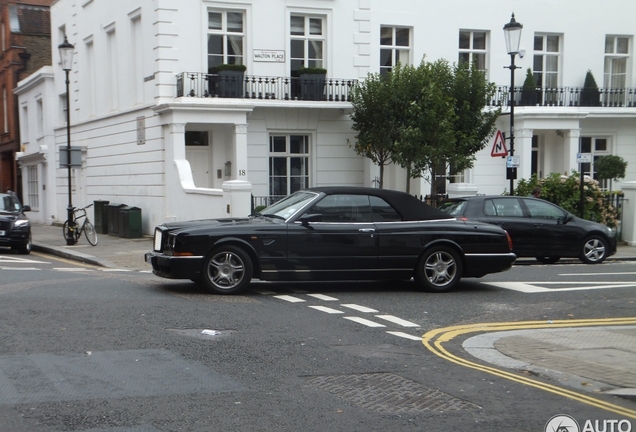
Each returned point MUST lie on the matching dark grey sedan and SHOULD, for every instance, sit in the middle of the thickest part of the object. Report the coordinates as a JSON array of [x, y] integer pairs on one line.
[[538, 228]]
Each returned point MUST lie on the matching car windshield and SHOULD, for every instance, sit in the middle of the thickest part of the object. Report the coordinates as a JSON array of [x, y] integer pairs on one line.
[[453, 208], [9, 203], [285, 208]]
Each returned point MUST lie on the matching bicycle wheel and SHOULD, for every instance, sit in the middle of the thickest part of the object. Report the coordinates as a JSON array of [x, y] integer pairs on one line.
[[91, 234], [75, 233]]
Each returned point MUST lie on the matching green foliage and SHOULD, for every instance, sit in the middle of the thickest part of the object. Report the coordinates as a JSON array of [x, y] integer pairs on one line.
[[228, 67], [424, 117], [564, 191], [530, 84], [590, 82], [610, 167], [311, 70]]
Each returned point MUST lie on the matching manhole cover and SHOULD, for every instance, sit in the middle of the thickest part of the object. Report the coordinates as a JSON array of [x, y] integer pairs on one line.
[[389, 393]]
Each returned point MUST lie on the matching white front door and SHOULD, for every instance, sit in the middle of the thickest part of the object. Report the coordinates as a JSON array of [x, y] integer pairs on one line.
[[200, 164]]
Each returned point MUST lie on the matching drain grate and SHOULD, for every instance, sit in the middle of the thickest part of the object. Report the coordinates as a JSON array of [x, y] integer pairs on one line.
[[389, 393]]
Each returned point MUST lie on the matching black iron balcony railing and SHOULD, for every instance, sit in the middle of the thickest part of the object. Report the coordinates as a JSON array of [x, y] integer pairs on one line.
[[202, 85], [195, 84], [566, 97]]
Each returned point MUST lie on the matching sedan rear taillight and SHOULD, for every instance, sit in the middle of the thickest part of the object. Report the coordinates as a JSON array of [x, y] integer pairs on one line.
[[509, 239]]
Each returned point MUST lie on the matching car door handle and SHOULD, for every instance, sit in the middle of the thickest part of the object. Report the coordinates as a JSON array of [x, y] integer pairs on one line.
[[367, 230]]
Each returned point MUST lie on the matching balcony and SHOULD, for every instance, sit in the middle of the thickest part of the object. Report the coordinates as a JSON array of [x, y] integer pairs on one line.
[[202, 85], [566, 97]]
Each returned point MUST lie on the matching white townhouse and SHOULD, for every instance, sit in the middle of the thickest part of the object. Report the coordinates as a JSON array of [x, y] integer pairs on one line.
[[160, 126]]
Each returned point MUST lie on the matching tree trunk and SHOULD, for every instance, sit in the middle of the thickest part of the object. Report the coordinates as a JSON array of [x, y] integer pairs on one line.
[[408, 179], [381, 176]]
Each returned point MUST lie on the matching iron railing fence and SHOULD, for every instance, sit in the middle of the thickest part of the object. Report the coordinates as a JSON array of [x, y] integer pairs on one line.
[[195, 84], [203, 85], [566, 97]]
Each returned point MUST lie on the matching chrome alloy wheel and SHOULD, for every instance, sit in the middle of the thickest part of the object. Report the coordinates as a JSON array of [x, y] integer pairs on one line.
[[440, 269], [226, 270], [594, 250]]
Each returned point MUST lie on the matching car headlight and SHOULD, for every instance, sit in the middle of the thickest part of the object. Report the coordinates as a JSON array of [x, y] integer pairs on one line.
[[20, 223]]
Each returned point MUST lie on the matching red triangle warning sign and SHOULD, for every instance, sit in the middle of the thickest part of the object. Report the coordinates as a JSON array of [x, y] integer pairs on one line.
[[499, 147]]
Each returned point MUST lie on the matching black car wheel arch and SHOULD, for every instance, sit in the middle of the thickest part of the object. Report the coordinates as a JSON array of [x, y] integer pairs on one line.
[[594, 250], [439, 269], [227, 269]]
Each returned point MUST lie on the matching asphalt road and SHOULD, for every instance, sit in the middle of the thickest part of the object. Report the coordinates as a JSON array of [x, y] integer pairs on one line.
[[90, 349]]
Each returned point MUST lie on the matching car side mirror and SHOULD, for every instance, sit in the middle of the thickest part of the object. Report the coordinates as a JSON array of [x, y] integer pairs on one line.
[[568, 218], [26, 208], [307, 218]]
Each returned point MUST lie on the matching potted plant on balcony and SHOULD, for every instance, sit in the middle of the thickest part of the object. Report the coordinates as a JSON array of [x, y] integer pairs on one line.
[[228, 82], [590, 95], [529, 90], [312, 83]]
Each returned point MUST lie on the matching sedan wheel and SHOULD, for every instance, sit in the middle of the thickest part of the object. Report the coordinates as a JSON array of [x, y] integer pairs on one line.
[[548, 260], [594, 250], [439, 269], [227, 270], [26, 247]]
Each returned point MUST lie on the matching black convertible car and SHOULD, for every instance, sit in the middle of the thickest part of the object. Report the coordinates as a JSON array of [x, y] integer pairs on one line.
[[539, 229], [332, 233]]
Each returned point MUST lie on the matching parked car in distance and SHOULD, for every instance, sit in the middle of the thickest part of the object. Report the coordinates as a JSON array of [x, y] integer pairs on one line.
[[331, 233], [538, 228], [15, 228]]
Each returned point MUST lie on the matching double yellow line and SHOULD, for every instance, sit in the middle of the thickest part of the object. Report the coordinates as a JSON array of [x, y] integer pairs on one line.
[[434, 340]]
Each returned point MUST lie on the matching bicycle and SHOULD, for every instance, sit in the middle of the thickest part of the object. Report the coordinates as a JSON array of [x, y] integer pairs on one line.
[[76, 228]]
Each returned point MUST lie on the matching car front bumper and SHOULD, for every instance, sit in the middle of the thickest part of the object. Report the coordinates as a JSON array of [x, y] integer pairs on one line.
[[174, 267]]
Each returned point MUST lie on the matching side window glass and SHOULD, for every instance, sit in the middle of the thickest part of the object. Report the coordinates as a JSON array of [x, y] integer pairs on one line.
[[544, 210], [489, 208], [382, 211], [343, 208], [505, 207]]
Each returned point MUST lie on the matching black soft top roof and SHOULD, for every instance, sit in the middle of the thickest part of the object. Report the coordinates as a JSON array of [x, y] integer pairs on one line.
[[409, 207]]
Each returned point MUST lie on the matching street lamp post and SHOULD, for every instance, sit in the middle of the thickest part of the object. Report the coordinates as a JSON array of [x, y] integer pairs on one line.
[[512, 32], [66, 56]]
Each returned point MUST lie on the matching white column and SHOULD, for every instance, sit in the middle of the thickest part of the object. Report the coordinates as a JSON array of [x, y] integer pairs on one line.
[[571, 148], [628, 219], [237, 192], [239, 153], [523, 148]]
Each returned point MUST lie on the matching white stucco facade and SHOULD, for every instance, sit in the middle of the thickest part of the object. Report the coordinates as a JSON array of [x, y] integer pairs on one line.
[[135, 130]]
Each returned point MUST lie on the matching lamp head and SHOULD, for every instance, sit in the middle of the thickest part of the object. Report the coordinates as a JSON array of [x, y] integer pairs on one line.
[[66, 54], [512, 32]]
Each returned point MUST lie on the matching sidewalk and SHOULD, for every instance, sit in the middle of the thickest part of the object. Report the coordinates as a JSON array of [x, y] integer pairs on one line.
[[111, 251], [591, 359]]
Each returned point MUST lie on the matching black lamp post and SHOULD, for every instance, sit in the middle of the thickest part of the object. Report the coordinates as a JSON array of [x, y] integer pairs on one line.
[[512, 32], [66, 56]]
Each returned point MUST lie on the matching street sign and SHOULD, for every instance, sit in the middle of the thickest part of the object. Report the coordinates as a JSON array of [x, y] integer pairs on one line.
[[583, 157], [512, 162], [499, 147]]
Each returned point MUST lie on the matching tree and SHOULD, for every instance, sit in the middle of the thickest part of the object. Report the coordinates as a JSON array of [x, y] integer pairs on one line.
[[610, 167], [375, 120], [425, 119]]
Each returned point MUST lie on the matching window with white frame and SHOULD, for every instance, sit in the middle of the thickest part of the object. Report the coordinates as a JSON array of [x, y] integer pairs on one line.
[[472, 47], [24, 125], [616, 59], [113, 58], [545, 63], [597, 147], [288, 164], [33, 186], [395, 47], [5, 111], [307, 42], [39, 112], [226, 38]]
